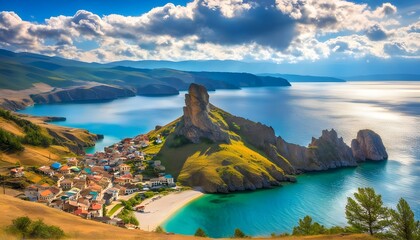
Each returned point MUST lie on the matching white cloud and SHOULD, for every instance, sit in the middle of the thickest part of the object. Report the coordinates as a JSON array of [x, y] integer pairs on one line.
[[269, 30]]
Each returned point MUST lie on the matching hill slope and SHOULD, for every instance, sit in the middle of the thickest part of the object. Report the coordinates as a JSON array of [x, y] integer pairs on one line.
[[210, 148], [78, 81], [78, 228], [61, 141]]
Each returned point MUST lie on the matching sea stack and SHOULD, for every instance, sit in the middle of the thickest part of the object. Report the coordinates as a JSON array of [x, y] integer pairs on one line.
[[196, 123], [368, 146]]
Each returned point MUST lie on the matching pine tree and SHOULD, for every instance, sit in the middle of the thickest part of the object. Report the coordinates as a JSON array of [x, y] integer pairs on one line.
[[306, 227], [403, 226], [238, 233], [366, 212], [200, 233]]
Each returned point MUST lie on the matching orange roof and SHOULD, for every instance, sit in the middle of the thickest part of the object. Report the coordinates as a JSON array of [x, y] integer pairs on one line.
[[96, 206], [46, 193], [64, 168]]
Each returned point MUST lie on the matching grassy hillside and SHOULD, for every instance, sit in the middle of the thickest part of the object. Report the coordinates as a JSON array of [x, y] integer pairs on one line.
[[20, 71], [212, 165], [78, 228], [63, 141]]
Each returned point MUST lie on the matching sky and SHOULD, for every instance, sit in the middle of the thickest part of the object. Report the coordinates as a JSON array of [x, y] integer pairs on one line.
[[278, 31]]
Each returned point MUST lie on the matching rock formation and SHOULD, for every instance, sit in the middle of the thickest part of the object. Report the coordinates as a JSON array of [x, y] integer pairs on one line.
[[245, 155], [196, 122], [368, 146]]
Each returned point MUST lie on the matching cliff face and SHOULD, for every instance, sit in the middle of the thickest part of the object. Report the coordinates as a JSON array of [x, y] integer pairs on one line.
[[368, 146], [245, 155], [196, 122]]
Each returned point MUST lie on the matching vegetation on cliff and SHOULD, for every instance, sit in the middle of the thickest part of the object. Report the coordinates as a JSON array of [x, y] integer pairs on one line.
[[212, 149]]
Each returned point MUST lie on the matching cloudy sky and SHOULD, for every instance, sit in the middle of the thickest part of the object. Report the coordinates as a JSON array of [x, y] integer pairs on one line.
[[279, 31]]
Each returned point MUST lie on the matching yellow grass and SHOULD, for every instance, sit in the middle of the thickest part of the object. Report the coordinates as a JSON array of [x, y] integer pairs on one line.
[[78, 228], [75, 227]]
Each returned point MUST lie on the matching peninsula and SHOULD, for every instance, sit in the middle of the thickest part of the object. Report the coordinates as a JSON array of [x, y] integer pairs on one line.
[[212, 149]]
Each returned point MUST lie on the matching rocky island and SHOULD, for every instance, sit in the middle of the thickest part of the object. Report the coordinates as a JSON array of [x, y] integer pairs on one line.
[[212, 149]]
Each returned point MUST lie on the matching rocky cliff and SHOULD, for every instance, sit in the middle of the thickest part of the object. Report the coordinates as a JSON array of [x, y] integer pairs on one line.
[[196, 123], [219, 152], [368, 146]]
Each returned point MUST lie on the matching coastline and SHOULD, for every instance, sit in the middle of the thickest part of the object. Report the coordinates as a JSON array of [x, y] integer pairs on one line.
[[158, 211]]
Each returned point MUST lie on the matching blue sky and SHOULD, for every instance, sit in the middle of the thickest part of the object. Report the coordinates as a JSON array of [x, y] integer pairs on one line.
[[279, 31]]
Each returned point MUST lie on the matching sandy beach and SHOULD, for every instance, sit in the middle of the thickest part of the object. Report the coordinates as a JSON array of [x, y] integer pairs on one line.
[[157, 211]]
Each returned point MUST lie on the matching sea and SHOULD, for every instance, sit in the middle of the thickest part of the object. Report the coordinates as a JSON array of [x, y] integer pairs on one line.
[[296, 113]]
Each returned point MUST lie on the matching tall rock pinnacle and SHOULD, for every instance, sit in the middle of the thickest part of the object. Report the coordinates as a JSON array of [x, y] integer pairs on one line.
[[196, 123]]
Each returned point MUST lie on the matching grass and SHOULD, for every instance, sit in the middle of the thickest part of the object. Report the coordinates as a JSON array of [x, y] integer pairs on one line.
[[210, 164], [114, 209]]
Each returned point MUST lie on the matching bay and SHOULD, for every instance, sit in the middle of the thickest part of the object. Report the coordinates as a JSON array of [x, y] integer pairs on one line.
[[296, 113]]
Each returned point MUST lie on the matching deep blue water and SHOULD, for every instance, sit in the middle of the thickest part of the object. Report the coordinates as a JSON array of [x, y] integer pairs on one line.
[[297, 113]]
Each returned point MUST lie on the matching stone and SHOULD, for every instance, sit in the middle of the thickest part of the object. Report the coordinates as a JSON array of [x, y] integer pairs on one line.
[[368, 146], [196, 123]]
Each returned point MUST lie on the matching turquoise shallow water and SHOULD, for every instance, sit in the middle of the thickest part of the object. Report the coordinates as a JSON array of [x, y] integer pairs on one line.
[[296, 113]]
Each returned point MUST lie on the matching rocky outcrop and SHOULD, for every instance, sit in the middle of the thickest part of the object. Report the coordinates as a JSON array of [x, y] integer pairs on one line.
[[368, 146], [245, 155], [196, 123], [15, 105]]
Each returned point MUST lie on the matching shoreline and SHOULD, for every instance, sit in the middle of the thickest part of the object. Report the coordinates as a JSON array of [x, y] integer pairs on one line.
[[158, 211]]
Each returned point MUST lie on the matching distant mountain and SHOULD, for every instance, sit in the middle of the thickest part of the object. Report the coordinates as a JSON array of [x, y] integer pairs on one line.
[[323, 67], [71, 80], [385, 77], [303, 78]]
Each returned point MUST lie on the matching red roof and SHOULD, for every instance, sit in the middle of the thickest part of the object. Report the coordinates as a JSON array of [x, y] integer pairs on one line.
[[96, 206]]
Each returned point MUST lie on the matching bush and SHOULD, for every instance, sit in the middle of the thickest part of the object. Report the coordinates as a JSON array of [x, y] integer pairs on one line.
[[25, 227], [179, 141], [238, 233], [159, 229], [306, 227], [200, 233]]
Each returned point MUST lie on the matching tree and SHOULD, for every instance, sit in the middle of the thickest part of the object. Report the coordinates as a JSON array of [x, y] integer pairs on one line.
[[200, 233], [306, 227], [238, 233], [366, 212], [159, 229], [403, 226]]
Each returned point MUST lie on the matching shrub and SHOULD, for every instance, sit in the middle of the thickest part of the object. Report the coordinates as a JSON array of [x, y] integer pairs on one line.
[[159, 229], [306, 227], [238, 233], [200, 233], [25, 227]]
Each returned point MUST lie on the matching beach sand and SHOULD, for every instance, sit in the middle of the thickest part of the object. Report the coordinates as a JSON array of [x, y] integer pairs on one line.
[[157, 211]]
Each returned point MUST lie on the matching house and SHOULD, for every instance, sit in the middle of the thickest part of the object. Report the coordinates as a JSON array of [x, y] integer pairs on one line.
[[166, 180], [45, 196], [130, 188], [66, 184], [114, 192], [64, 169], [72, 162], [31, 192], [17, 172], [124, 169], [95, 210], [57, 204], [46, 170]]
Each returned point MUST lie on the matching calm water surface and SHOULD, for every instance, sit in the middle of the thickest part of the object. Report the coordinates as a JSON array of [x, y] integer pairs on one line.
[[297, 113]]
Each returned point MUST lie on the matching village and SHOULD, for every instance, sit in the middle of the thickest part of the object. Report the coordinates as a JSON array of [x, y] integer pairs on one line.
[[100, 185]]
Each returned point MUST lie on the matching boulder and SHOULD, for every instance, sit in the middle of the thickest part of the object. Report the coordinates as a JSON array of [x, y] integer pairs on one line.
[[368, 146]]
